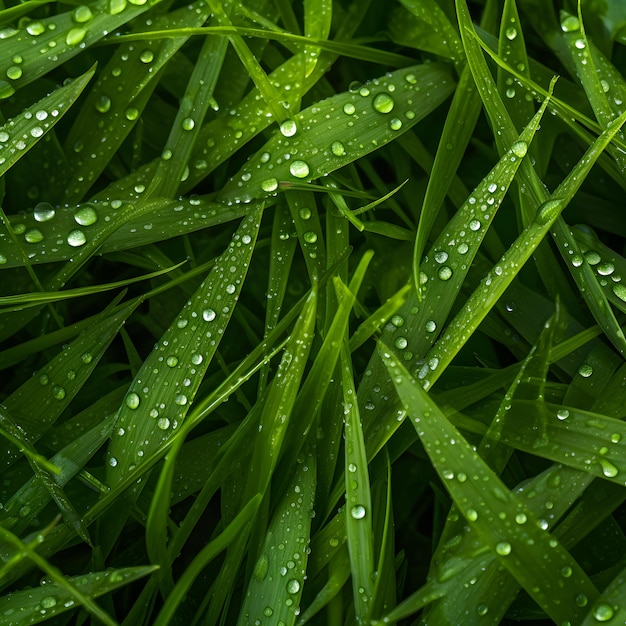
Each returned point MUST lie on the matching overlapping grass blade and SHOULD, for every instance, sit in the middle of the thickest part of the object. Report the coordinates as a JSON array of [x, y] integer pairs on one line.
[[516, 536]]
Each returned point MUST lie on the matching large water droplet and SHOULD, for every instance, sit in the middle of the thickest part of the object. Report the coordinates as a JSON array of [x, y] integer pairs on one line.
[[358, 511], [337, 148], [383, 103], [132, 400], [288, 128], [503, 548], [603, 612], [208, 315], [299, 169], [86, 216], [82, 14], [103, 104], [511, 33], [76, 238], [33, 235], [519, 149], [349, 108], [569, 23], [293, 586], [608, 469], [75, 36], [269, 185]]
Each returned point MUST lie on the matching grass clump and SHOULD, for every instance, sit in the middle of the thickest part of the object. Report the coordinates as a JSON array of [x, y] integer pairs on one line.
[[312, 312]]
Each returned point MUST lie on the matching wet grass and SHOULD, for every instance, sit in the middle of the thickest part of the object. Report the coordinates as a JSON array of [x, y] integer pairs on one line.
[[311, 312]]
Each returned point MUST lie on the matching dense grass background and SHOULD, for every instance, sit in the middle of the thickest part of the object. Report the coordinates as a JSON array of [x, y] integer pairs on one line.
[[311, 312]]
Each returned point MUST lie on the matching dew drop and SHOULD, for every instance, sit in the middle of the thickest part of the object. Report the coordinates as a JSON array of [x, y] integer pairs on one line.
[[271, 184], [304, 213], [131, 114], [503, 548], [562, 414], [163, 423], [337, 148], [383, 103], [401, 343], [521, 518], [395, 124], [444, 273], [48, 602], [33, 235], [349, 108], [569, 23], [35, 28], [132, 400], [146, 56], [293, 586], [75, 36], [474, 225], [103, 104], [299, 169], [620, 291], [181, 399], [511, 33], [603, 612], [76, 238], [585, 370], [208, 315], [288, 128], [471, 515], [113, 462], [519, 149], [58, 392], [310, 236], [188, 124], [115, 7], [14, 72], [196, 359], [608, 469], [430, 326], [171, 361], [86, 216], [358, 512]]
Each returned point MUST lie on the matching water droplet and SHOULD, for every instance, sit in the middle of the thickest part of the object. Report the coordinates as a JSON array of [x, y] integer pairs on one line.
[[383, 103], [113, 462], [482, 609], [163, 423], [395, 124], [171, 361], [146, 56], [474, 225], [608, 469], [580, 44], [33, 235], [208, 315], [430, 326], [48, 602], [603, 612], [519, 149], [181, 399], [566, 571], [293, 586], [401, 343], [358, 511], [585, 370], [521, 518], [310, 236], [268, 612], [196, 359], [58, 392], [299, 169], [86, 216], [511, 33], [44, 379], [75, 36], [562, 414], [288, 128], [271, 184], [592, 257], [471, 515], [132, 400], [188, 124], [116, 6], [503, 548], [304, 213], [14, 72], [103, 104], [444, 273], [620, 291], [131, 114], [337, 148], [36, 131], [569, 23], [76, 238], [82, 14], [35, 28], [349, 108], [43, 212]]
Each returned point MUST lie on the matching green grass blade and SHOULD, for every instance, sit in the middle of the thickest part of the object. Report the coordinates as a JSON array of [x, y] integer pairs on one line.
[[278, 596], [521, 546], [358, 499]]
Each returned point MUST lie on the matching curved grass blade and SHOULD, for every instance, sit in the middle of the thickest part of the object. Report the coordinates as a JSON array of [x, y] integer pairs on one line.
[[278, 597], [358, 499], [39, 604], [173, 371], [521, 546], [205, 556], [21, 133], [339, 130], [60, 233]]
